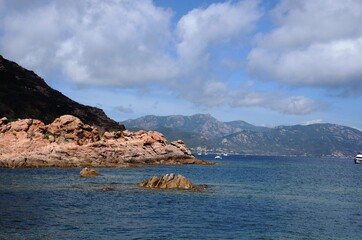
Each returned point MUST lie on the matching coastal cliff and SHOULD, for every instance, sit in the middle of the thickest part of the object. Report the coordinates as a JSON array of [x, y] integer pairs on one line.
[[68, 142]]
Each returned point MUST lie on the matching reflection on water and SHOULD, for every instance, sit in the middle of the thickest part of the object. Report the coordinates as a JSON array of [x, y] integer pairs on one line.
[[249, 197]]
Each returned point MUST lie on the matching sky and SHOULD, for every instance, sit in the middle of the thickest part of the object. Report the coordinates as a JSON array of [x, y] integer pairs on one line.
[[277, 62]]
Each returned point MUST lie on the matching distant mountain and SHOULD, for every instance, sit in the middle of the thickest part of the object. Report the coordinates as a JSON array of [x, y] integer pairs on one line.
[[200, 124], [202, 131], [23, 94], [315, 140]]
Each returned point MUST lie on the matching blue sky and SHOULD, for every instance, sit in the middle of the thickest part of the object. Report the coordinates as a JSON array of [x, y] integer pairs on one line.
[[265, 62]]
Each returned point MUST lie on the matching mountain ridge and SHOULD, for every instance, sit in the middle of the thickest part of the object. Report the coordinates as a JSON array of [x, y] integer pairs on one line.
[[206, 133], [205, 124]]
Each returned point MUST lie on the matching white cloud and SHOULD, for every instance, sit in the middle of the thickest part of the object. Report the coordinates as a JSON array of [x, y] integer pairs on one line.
[[200, 29], [317, 43], [331, 64], [200, 32], [119, 43], [130, 44], [210, 93], [314, 121], [295, 105], [30, 36], [302, 22]]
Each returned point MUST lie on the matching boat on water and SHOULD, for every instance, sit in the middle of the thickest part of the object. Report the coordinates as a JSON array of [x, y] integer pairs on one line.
[[218, 157], [358, 158]]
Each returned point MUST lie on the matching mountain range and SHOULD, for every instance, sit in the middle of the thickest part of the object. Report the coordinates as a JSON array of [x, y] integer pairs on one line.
[[23, 94], [202, 132]]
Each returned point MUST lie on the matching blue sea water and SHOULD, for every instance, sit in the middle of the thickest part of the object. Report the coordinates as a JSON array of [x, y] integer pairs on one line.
[[249, 197]]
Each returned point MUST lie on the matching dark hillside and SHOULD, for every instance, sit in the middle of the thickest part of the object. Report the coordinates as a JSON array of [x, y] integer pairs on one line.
[[23, 94]]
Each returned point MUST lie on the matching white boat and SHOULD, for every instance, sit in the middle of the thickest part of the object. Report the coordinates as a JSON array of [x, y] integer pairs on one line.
[[358, 158], [218, 157], [225, 154]]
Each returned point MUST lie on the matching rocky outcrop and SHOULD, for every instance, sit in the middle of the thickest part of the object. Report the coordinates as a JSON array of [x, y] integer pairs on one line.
[[23, 94], [88, 172], [169, 181], [68, 142]]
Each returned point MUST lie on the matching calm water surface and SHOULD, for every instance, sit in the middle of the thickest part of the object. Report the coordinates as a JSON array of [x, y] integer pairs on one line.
[[249, 197]]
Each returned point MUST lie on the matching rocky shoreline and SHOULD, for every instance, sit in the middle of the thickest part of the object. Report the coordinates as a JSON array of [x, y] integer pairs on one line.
[[68, 142]]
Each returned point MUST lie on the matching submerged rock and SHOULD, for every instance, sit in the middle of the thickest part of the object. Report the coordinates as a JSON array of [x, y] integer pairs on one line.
[[169, 181], [88, 172]]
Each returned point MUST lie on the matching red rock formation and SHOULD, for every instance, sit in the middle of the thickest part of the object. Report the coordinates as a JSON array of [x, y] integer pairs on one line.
[[68, 142]]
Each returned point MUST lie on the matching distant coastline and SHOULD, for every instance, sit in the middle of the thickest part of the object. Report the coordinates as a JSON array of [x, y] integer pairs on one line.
[[204, 133]]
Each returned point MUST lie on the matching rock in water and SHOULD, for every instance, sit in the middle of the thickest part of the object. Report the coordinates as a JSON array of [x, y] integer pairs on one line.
[[169, 181], [88, 172], [107, 189]]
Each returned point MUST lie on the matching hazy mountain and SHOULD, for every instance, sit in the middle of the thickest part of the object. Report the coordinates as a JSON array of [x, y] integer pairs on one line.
[[23, 94], [204, 131], [196, 125], [316, 140]]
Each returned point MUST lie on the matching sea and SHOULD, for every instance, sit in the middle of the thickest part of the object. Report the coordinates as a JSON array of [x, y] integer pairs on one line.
[[248, 197]]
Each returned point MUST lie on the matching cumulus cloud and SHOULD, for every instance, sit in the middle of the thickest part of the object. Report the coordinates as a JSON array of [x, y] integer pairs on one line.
[[296, 105], [210, 93], [200, 29], [131, 44], [330, 64], [119, 43], [317, 43], [198, 33]]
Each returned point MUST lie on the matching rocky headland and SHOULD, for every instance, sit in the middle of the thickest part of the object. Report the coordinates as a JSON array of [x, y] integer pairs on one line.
[[68, 142]]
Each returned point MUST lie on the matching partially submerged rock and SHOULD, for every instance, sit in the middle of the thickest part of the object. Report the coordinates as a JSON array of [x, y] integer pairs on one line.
[[107, 189], [88, 172], [169, 181]]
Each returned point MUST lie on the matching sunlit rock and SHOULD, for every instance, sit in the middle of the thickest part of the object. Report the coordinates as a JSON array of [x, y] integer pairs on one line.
[[169, 181], [88, 172]]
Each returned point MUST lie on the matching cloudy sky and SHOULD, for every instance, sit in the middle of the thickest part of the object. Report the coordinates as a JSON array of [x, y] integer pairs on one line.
[[265, 62]]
